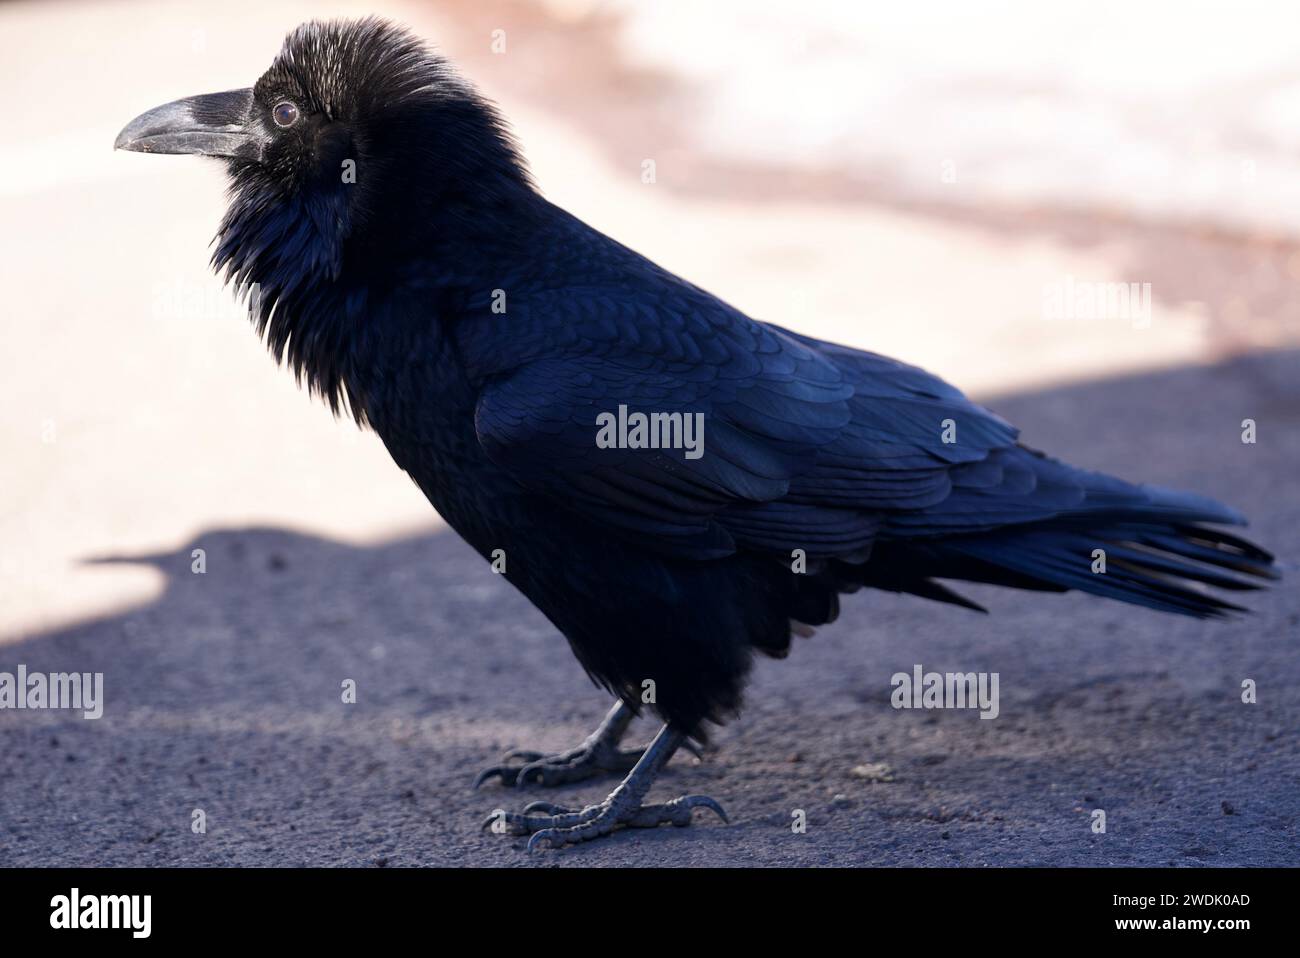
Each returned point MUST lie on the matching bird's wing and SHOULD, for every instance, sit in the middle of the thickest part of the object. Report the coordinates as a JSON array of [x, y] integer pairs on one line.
[[988, 479], [801, 449]]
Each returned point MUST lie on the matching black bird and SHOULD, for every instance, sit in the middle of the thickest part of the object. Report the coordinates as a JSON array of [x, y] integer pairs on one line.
[[399, 259]]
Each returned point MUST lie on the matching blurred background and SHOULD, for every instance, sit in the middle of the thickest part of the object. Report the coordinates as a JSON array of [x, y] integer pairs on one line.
[[915, 179]]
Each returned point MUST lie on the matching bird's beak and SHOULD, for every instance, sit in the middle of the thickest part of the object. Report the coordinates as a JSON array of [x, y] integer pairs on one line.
[[215, 124]]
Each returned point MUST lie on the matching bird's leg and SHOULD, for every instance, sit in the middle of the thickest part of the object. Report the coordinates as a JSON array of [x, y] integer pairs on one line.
[[598, 754], [622, 808]]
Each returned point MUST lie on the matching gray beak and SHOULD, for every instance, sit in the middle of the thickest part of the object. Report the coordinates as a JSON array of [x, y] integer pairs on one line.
[[215, 124]]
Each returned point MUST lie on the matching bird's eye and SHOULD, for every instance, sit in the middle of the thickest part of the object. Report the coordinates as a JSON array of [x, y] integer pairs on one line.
[[284, 113]]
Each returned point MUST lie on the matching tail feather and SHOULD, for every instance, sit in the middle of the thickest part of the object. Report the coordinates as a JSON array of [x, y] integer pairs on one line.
[[1216, 547], [1160, 565]]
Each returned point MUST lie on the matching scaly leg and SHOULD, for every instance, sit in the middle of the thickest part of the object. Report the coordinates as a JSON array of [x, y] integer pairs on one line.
[[598, 754], [623, 808]]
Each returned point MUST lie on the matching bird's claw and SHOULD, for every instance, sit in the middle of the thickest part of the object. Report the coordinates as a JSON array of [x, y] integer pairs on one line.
[[560, 826]]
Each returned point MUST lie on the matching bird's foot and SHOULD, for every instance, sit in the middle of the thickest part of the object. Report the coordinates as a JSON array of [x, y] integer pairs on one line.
[[557, 826], [599, 754], [586, 761]]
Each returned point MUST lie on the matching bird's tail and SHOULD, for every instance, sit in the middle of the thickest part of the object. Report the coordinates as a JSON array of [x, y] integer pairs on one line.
[[1159, 555]]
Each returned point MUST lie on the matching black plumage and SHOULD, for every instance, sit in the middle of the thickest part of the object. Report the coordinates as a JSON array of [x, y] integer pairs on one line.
[[480, 331]]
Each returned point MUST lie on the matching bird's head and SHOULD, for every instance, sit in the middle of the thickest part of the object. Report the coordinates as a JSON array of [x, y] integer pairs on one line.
[[356, 154]]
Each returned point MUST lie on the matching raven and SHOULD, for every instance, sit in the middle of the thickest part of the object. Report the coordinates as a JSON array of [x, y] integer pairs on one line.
[[675, 485]]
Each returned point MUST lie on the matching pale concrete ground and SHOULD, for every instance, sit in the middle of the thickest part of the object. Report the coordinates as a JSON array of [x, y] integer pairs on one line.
[[141, 417]]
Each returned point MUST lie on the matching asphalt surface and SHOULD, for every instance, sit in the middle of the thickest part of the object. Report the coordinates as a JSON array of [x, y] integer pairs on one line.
[[225, 695]]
